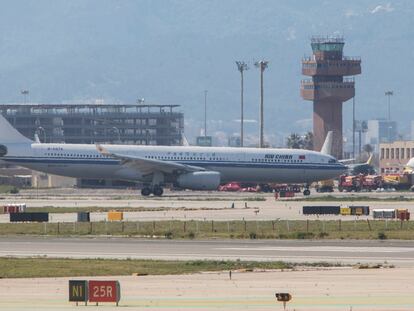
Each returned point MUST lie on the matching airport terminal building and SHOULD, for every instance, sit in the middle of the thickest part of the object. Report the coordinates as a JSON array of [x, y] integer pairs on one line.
[[137, 124]]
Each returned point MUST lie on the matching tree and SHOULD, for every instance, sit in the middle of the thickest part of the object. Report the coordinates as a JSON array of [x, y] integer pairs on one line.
[[368, 148], [294, 141], [308, 141]]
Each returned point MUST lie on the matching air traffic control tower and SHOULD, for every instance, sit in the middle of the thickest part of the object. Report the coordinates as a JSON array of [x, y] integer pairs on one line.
[[328, 88]]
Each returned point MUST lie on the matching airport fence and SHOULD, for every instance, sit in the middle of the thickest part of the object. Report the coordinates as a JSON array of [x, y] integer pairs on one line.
[[272, 229]]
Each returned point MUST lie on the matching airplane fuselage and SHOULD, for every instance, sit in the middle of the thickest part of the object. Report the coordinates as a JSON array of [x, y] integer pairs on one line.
[[234, 164]]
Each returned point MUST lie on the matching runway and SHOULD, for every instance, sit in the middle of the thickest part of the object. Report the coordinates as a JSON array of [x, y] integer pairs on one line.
[[399, 253], [337, 289]]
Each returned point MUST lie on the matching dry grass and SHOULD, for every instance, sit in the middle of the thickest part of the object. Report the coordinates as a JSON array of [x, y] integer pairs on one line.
[[50, 267], [283, 229]]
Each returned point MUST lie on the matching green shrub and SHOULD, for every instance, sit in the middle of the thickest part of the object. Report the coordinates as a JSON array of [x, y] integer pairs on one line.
[[169, 235], [14, 190], [323, 234], [382, 236], [304, 235], [253, 235]]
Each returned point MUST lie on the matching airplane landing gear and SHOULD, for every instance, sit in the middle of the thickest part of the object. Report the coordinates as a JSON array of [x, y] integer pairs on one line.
[[306, 192], [145, 191], [158, 191]]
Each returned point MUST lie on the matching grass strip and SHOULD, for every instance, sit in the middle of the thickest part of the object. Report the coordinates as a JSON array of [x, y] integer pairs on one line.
[[175, 229], [8, 189], [55, 267]]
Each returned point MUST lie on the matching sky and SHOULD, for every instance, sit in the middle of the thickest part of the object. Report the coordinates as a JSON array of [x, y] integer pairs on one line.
[[170, 52]]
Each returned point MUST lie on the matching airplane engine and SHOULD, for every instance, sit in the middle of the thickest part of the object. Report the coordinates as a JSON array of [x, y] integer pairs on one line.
[[3, 150], [209, 180]]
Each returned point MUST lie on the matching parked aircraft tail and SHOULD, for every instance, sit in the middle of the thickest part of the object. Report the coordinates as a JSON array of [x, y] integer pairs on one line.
[[185, 140], [8, 134], [370, 159], [327, 145]]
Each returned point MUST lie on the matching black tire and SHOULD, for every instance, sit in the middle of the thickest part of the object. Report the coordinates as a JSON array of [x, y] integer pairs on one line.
[[306, 192], [145, 191], [158, 191]]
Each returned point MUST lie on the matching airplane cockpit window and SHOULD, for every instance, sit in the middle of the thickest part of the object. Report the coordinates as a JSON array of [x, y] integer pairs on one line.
[[332, 161], [3, 150]]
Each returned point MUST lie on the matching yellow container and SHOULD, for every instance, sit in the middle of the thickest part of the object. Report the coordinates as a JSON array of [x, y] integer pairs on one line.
[[345, 211], [115, 216]]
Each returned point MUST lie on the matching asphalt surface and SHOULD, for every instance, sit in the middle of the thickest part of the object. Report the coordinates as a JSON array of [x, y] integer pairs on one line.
[[399, 253], [194, 205]]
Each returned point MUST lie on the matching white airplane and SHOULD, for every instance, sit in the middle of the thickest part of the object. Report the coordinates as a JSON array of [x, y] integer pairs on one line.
[[189, 167], [409, 167]]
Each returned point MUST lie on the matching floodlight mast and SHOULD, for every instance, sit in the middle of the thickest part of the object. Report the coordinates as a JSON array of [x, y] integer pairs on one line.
[[389, 94], [205, 112], [241, 66], [24, 93], [262, 65]]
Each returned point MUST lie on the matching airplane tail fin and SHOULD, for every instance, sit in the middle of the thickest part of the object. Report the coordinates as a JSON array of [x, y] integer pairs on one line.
[[327, 145], [370, 159], [8, 134], [37, 139], [185, 140]]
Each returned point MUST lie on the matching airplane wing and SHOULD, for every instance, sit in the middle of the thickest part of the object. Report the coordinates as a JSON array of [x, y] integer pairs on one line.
[[346, 161], [350, 161], [149, 166]]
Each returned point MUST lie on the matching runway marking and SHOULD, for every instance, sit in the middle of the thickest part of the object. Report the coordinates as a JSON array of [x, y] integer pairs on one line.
[[322, 249]]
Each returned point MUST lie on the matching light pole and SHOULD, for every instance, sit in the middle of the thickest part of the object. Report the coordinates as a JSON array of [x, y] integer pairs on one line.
[[262, 65], [44, 133], [147, 137], [241, 66], [118, 132], [24, 93], [389, 94], [205, 113], [389, 133], [353, 127]]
